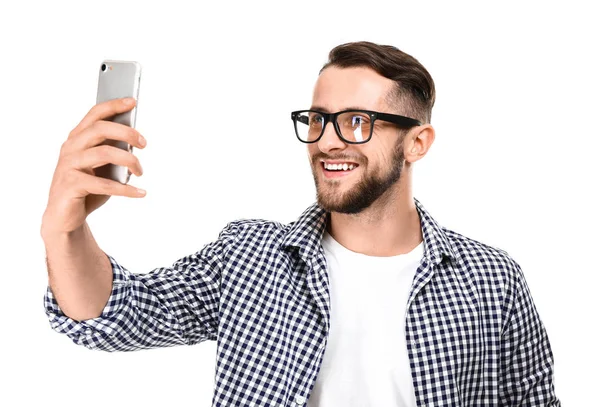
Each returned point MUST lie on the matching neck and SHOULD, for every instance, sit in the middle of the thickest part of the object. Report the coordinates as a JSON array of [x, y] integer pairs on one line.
[[390, 226]]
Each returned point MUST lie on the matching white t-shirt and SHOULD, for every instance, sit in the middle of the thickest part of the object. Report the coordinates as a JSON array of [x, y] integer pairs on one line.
[[366, 357]]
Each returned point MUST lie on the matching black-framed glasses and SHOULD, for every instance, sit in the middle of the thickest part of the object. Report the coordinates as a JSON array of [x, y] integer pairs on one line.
[[352, 126]]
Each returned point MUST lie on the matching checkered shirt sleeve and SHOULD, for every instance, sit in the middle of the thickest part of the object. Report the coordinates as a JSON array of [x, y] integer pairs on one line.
[[168, 306], [526, 359]]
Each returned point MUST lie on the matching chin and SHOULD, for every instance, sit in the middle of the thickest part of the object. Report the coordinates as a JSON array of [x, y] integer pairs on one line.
[[348, 202]]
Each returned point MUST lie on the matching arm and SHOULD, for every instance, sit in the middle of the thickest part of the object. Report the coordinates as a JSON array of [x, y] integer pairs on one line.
[[79, 273], [167, 306], [527, 363]]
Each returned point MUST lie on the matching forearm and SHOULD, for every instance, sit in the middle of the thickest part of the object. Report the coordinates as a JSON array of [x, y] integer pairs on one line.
[[79, 273]]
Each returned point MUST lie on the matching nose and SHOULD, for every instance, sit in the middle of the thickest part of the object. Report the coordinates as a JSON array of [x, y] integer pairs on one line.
[[329, 140]]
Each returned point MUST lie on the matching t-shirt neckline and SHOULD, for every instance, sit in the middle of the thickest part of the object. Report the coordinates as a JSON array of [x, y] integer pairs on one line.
[[337, 246]]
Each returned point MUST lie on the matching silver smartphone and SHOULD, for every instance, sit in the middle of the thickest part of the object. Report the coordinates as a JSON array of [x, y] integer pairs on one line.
[[118, 79]]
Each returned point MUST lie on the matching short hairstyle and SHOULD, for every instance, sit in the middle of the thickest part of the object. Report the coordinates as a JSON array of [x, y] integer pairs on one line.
[[414, 93]]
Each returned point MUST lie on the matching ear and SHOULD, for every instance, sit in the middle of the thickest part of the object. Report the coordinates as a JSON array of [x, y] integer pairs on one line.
[[417, 143]]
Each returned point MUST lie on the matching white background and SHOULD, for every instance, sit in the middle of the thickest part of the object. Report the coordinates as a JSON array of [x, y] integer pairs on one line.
[[514, 163]]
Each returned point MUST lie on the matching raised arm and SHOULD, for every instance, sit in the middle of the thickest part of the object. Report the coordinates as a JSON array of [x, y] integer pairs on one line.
[[90, 297], [168, 306]]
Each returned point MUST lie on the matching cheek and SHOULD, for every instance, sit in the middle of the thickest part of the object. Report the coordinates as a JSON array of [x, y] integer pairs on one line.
[[375, 154], [385, 152], [313, 154]]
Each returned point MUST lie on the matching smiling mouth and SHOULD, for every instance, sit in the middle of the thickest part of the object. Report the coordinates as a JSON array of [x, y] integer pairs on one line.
[[336, 170], [339, 166]]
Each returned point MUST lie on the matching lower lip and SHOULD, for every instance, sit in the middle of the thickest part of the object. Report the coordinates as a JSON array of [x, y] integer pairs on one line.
[[336, 174]]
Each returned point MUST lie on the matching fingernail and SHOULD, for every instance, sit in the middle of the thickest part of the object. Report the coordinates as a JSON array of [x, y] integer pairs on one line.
[[142, 141], [128, 101], [141, 191]]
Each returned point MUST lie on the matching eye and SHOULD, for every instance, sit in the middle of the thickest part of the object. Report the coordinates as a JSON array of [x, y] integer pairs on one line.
[[316, 120], [355, 120]]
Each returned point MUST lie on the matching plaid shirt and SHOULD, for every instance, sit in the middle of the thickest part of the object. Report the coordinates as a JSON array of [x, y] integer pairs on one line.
[[260, 290]]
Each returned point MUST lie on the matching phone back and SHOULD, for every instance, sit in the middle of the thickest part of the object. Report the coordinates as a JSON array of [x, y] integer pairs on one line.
[[118, 79]]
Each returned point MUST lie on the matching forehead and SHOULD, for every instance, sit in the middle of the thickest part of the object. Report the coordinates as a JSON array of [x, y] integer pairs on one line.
[[341, 88]]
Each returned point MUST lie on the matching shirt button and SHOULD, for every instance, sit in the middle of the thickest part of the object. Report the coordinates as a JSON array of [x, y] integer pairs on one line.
[[300, 399]]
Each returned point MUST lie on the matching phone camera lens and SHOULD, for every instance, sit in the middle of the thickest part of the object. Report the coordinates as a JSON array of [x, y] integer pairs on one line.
[[103, 67]]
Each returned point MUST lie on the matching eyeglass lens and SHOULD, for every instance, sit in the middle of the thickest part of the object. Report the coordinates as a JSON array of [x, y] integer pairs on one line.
[[354, 126]]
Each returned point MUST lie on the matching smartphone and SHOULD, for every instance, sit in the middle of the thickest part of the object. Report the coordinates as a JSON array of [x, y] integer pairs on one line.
[[118, 79]]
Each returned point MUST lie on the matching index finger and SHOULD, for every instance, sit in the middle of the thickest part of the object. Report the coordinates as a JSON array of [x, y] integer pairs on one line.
[[104, 110]]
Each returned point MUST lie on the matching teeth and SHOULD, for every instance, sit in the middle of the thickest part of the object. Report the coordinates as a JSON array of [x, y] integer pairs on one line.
[[339, 167]]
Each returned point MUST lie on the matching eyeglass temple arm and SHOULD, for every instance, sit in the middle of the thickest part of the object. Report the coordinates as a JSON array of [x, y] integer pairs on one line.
[[399, 120]]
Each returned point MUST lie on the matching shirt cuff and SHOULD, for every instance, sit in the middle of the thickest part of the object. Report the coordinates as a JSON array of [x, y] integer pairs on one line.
[[106, 322]]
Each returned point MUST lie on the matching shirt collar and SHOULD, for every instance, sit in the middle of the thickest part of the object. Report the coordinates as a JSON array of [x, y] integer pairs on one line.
[[307, 231]]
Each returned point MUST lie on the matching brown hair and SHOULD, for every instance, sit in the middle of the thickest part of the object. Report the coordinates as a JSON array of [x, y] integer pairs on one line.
[[414, 93]]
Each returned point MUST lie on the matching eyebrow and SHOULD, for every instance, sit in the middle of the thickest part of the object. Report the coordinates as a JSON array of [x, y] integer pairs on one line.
[[325, 110]]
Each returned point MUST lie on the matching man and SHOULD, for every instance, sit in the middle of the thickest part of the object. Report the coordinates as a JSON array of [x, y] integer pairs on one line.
[[365, 300]]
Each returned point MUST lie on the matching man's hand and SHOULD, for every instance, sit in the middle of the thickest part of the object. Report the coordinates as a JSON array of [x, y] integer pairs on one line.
[[76, 191]]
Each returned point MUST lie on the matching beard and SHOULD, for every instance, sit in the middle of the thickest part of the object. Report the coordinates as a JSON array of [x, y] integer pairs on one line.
[[366, 191]]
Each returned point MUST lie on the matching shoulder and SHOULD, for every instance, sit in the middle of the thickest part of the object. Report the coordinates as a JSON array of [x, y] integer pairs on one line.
[[484, 260], [244, 227], [257, 231], [495, 275]]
